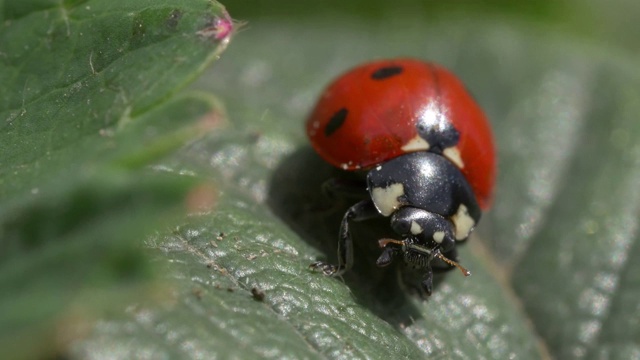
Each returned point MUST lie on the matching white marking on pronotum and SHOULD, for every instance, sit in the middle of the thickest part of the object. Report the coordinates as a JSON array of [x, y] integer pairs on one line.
[[453, 154], [386, 199], [416, 228], [438, 236], [416, 144], [463, 221]]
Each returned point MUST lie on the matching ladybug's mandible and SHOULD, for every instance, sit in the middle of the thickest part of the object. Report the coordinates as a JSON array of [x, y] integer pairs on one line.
[[428, 151]]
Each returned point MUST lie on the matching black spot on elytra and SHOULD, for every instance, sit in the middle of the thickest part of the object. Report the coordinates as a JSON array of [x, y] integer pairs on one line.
[[386, 72], [336, 121]]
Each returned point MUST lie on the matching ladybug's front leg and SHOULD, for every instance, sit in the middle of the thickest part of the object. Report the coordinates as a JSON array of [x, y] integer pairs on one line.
[[361, 211]]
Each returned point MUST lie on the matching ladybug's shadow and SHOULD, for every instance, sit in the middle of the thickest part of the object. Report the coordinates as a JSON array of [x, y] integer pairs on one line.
[[295, 196]]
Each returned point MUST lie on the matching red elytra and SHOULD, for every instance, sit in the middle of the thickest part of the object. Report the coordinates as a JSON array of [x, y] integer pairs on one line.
[[360, 122]]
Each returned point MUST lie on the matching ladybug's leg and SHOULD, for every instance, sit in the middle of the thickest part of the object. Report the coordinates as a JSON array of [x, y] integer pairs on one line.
[[387, 256], [361, 211], [427, 281]]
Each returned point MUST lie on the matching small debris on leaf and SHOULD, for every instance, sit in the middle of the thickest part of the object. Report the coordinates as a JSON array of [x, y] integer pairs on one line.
[[257, 294], [197, 292]]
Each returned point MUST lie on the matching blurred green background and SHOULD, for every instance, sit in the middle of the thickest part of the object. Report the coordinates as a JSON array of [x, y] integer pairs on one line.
[[613, 22]]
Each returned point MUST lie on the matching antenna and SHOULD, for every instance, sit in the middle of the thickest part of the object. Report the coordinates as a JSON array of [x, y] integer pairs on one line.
[[384, 242], [465, 272]]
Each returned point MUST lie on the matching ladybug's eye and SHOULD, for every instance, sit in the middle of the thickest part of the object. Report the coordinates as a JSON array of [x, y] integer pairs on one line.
[[386, 72], [401, 227]]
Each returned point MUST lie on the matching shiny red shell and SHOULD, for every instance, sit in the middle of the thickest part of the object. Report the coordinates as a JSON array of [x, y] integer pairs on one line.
[[360, 121]]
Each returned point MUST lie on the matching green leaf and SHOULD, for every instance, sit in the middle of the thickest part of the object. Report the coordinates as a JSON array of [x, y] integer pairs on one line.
[[88, 102], [578, 276], [75, 73]]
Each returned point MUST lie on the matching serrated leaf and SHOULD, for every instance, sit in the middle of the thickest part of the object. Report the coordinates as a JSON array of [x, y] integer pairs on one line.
[[75, 73], [87, 104]]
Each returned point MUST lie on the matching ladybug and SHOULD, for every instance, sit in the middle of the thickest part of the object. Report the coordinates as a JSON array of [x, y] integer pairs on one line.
[[428, 153]]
